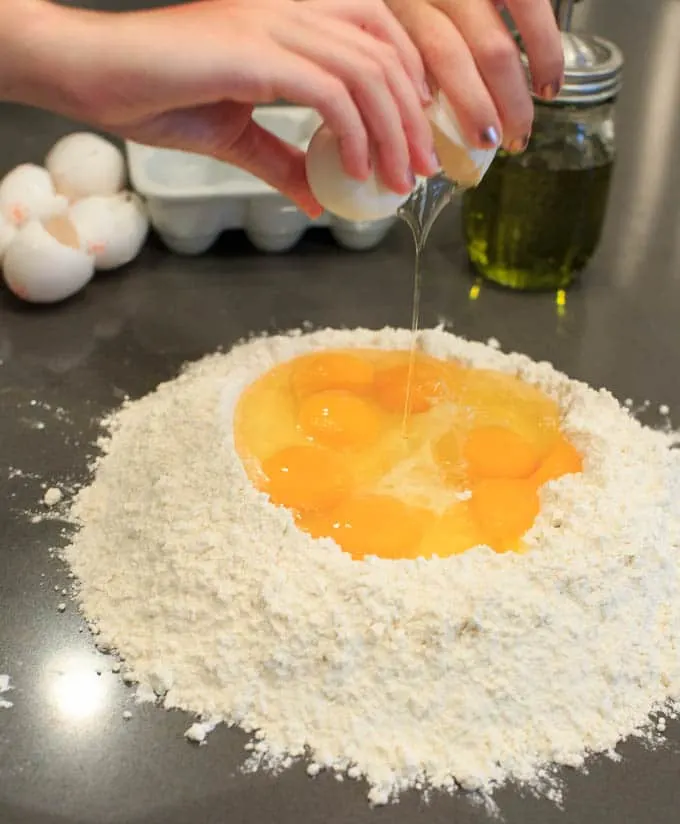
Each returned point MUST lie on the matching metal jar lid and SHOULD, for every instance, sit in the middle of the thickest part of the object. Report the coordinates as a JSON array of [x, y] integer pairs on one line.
[[593, 70]]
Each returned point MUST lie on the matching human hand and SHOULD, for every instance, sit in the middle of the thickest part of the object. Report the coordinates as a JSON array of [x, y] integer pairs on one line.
[[188, 77], [472, 57]]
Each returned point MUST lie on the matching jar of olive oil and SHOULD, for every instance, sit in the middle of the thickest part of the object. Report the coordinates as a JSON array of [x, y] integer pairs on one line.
[[535, 220]]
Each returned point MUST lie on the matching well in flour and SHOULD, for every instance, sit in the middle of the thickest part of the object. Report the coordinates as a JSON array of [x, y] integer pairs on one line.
[[468, 671]]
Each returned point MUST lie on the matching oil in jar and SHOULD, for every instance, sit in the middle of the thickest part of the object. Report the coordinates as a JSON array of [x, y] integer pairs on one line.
[[534, 226]]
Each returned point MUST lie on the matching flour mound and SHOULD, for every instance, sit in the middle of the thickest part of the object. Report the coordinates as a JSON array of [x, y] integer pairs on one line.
[[464, 672]]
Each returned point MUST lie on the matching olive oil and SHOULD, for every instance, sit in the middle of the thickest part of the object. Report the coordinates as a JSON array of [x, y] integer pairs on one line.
[[532, 226]]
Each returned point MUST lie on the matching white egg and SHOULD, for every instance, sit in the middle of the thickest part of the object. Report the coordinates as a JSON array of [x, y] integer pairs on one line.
[[45, 264], [112, 229], [27, 193], [7, 232], [84, 164], [341, 194]]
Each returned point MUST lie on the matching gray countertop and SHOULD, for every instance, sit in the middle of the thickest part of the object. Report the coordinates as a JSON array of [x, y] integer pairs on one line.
[[130, 330]]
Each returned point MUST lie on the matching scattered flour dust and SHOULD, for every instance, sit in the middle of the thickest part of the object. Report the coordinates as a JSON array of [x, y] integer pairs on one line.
[[465, 672]]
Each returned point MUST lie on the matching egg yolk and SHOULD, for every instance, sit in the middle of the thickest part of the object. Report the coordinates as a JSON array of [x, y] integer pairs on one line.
[[505, 510], [331, 370], [378, 525], [499, 452], [448, 454], [453, 533], [430, 382], [564, 459], [324, 436], [339, 419], [306, 478]]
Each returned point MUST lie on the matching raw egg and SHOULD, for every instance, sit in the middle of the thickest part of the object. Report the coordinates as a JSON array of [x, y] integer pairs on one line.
[[378, 525], [430, 381], [564, 459], [499, 452], [339, 419], [331, 370], [324, 435], [454, 532], [341, 194], [505, 509], [306, 478]]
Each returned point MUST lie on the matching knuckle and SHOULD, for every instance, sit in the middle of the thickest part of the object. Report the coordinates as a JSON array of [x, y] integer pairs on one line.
[[369, 73], [389, 58], [439, 55], [497, 54]]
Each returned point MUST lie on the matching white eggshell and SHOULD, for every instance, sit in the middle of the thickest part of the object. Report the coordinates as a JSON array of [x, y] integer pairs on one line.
[[112, 229], [44, 262], [84, 164], [27, 193], [466, 166], [343, 195], [7, 233]]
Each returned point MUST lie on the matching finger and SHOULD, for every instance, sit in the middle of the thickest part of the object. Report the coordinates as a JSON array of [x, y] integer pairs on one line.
[[376, 18], [209, 130], [453, 69], [301, 81], [414, 121], [366, 82], [278, 163], [542, 41], [498, 62]]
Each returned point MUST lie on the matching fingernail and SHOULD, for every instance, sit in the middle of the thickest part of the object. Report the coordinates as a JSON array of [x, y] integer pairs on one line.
[[551, 90], [410, 179], [518, 145], [425, 92], [436, 163], [490, 137]]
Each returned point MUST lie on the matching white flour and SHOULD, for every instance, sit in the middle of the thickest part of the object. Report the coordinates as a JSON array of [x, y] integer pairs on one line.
[[468, 671]]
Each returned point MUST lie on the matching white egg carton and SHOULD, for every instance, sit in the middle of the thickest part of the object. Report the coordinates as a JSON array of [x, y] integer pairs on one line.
[[192, 199]]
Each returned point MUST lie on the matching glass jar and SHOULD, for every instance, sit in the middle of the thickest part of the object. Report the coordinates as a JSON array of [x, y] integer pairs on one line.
[[535, 220]]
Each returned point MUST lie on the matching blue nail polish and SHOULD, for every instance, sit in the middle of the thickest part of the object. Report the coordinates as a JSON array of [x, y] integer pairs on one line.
[[491, 137]]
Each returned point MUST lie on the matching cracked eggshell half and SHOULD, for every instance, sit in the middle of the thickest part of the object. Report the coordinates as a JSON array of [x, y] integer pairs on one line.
[[460, 162], [45, 264], [112, 229], [28, 193], [341, 194], [85, 164], [7, 232]]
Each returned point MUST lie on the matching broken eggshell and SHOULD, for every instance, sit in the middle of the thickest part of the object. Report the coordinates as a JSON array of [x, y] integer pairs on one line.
[[45, 264], [112, 229], [28, 193], [84, 164], [7, 232]]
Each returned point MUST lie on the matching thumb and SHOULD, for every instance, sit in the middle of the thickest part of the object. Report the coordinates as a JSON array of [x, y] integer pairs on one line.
[[275, 161]]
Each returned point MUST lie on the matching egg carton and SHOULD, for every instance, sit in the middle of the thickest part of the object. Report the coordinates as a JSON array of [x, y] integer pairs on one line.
[[192, 199]]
